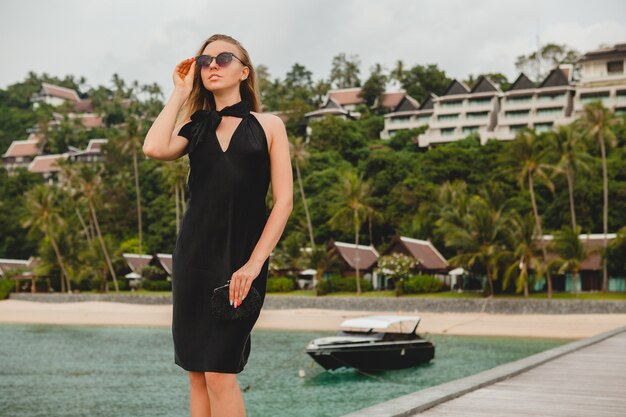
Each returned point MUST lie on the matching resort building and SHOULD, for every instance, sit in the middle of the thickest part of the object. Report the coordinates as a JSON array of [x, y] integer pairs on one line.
[[429, 259], [590, 275], [47, 165], [493, 114], [462, 111], [343, 103], [408, 114], [347, 255], [602, 77], [92, 153], [539, 107], [22, 152]]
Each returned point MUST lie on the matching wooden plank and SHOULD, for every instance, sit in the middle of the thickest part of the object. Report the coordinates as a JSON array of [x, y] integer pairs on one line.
[[588, 382]]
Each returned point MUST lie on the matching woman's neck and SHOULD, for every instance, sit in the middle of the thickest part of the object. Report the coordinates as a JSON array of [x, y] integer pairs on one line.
[[221, 102]]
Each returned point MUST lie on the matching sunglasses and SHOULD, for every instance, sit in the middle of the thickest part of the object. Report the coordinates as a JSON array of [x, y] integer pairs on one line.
[[223, 59]]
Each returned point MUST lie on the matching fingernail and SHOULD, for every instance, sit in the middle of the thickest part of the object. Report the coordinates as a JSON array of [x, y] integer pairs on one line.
[[243, 298], [231, 302]]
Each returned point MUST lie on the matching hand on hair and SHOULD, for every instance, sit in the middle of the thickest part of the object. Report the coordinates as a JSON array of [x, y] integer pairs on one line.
[[183, 75]]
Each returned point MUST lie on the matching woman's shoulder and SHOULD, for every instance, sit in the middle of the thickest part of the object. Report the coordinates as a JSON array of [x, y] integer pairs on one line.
[[271, 124]]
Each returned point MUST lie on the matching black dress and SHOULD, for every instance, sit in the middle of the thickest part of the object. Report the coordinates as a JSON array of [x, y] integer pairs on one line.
[[225, 217]]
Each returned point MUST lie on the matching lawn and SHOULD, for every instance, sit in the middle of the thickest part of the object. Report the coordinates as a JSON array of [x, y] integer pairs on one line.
[[445, 294]]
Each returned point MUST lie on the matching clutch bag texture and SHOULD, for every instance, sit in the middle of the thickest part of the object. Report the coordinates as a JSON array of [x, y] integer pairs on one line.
[[220, 308]]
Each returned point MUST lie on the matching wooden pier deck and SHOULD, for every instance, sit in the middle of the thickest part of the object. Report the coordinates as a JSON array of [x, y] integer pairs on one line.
[[583, 378], [588, 382]]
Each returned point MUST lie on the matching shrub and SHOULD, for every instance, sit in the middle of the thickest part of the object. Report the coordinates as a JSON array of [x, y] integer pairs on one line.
[[339, 283], [6, 286], [157, 285], [422, 284], [280, 284]]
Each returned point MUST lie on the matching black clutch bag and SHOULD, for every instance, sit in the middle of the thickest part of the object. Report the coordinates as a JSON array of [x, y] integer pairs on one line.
[[220, 308]]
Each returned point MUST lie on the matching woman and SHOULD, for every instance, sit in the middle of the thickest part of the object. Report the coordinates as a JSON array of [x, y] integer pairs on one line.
[[234, 152]]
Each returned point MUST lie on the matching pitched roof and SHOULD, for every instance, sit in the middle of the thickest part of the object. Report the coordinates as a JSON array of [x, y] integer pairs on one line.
[[46, 163], [615, 51], [60, 92], [425, 252], [484, 85], [368, 255], [9, 264], [350, 96], [28, 147], [456, 87], [429, 258], [407, 103], [166, 261], [391, 99], [95, 145], [345, 96], [592, 244], [555, 78], [428, 103], [522, 83], [136, 261]]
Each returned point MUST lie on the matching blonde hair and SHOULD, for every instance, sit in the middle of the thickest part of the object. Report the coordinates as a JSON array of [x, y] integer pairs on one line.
[[201, 98]]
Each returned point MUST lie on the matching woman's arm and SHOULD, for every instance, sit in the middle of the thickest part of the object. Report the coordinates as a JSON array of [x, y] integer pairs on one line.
[[282, 196], [162, 140]]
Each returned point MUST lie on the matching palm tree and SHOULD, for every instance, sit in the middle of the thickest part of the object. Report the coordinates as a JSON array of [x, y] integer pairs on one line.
[[524, 251], [68, 171], [130, 140], [299, 154], [89, 182], [45, 215], [352, 203], [527, 159], [175, 176], [567, 144], [571, 252], [598, 122], [320, 260], [480, 239]]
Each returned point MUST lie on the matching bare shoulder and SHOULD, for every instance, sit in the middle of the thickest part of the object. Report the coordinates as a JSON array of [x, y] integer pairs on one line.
[[272, 125]]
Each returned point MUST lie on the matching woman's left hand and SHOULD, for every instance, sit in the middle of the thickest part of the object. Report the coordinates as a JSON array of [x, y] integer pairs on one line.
[[241, 280]]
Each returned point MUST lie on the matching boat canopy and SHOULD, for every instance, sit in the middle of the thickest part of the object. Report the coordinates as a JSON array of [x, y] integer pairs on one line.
[[389, 324]]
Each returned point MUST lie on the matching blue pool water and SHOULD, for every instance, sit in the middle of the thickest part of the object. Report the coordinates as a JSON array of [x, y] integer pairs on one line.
[[111, 371]]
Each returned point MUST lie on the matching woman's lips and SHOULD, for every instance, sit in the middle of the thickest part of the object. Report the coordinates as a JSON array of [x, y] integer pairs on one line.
[[214, 77]]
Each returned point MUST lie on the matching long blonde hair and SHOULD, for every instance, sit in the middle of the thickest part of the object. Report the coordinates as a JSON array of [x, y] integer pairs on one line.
[[201, 98]]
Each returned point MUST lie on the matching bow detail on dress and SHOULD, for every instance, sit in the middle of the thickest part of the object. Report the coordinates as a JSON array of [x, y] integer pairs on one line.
[[205, 122]]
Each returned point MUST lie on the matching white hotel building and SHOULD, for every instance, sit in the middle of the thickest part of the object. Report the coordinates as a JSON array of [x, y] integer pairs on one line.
[[494, 114]]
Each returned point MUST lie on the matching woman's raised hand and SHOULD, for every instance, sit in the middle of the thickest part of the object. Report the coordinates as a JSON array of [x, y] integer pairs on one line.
[[183, 75]]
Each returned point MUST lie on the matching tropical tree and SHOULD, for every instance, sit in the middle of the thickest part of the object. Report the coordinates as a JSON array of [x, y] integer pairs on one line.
[[174, 175], [570, 251], [569, 148], [528, 160], [45, 215], [598, 123], [299, 155], [525, 252], [130, 139], [352, 202], [89, 183], [479, 236]]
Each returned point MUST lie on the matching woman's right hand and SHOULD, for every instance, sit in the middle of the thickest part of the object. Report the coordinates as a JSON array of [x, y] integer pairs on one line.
[[184, 74]]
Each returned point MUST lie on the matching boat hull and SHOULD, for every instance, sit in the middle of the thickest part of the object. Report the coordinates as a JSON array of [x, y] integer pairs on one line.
[[374, 356]]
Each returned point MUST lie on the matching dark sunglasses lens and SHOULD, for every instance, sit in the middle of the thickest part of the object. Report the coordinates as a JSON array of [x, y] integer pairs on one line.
[[203, 61], [224, 59]]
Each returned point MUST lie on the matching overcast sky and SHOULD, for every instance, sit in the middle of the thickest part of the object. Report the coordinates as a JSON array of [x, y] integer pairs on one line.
[[144, 40]]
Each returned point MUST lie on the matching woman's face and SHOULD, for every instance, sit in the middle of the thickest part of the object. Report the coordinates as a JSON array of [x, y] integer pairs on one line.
[[215, 77]]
